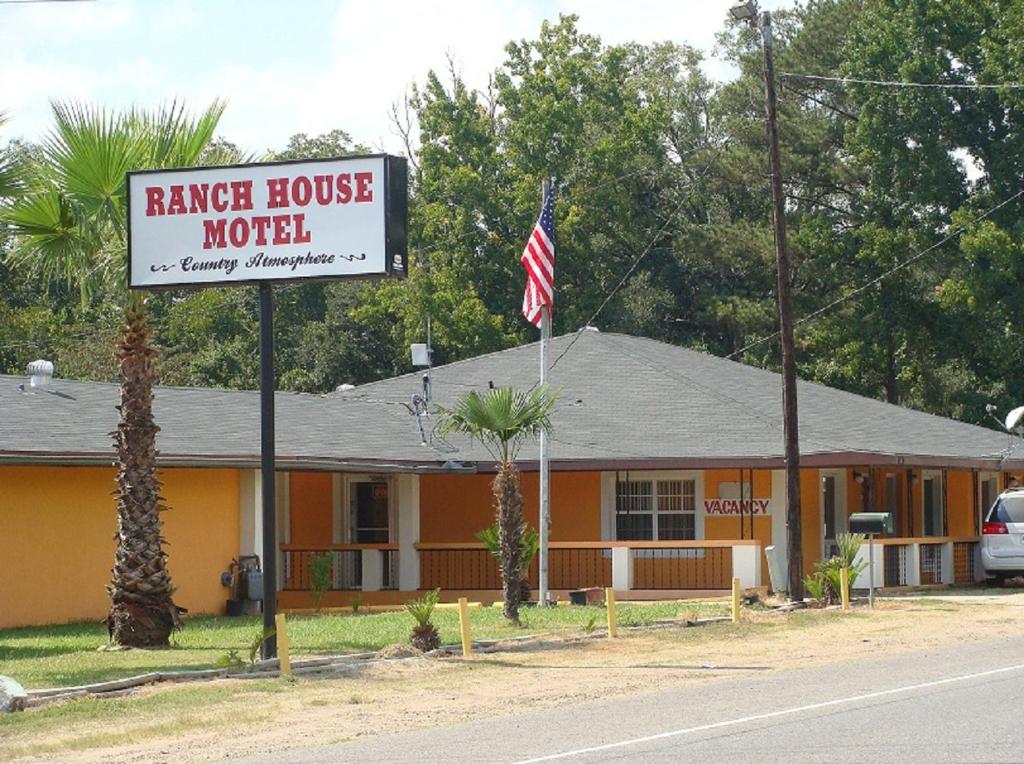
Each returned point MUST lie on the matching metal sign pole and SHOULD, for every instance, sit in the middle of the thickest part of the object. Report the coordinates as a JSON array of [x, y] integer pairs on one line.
[[545, 472], [267, 459]]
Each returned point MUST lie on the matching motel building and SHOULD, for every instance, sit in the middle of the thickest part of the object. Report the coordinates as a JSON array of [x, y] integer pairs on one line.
[[666, 481]]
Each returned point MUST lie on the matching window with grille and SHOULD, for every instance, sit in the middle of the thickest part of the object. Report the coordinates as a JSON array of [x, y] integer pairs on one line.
[[655, 510]]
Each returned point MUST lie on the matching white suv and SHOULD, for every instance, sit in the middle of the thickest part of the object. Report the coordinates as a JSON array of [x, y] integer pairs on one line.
[[1002, 537]]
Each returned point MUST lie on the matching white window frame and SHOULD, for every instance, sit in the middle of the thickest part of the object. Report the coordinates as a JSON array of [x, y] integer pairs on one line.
[[609, 494], [842, 518], [983, 476]]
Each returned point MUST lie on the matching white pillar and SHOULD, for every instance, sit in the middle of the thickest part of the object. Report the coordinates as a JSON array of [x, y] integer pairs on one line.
[[863, 556], [979, 571], [746, 565], [373, 570], [778, 513], [622, 568], [948, 573], [913, 577], [283, 507], [408, 532], [250, 500]]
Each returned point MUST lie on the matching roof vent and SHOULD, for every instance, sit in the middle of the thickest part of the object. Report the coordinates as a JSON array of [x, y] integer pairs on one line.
[[589, 328], [344, 388], [40, 373]]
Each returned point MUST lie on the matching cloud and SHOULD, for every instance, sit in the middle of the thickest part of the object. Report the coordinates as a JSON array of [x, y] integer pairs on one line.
[[339, 65], [64, 20]]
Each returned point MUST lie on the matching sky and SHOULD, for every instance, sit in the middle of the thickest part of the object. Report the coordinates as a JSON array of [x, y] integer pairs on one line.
[[287, 67]]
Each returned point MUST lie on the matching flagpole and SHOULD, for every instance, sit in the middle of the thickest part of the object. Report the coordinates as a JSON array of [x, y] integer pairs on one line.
[[545, 473]]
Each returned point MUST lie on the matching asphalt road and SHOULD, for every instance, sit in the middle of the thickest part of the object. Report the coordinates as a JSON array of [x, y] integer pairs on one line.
[[960, 704]]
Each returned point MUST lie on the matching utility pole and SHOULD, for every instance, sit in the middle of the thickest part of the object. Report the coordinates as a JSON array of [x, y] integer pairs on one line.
[[748, 11]]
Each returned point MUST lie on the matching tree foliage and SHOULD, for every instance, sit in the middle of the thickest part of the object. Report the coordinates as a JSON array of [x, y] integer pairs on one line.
[[660, 173]]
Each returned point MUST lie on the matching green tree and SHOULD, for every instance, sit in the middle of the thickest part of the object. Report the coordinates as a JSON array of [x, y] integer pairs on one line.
[[71, 228], [501, 420]]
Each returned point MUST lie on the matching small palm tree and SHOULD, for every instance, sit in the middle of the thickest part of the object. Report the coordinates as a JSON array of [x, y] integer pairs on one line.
[[70, 227], [501, 420]]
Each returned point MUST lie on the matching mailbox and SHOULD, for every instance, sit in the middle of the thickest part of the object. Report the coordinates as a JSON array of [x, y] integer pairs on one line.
[[871, 522]]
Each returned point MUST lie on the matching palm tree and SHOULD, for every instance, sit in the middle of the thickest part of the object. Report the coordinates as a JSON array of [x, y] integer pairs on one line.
[[10, 174], [501, 419], [70, 227]]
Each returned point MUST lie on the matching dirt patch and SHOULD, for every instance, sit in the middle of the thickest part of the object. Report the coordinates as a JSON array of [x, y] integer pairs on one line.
[[398, 651], [418, 694]]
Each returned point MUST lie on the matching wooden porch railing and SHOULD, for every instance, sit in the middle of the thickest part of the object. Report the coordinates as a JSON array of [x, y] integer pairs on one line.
[[581, 564], [353, 566], [923, 560]]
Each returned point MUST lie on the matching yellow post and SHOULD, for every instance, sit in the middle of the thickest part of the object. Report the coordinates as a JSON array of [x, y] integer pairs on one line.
[[467, 641], [609, 601], [282, 646], [844, 584], [736, 591]]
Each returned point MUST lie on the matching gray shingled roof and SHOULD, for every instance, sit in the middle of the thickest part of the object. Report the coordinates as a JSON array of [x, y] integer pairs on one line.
[[625, 401]]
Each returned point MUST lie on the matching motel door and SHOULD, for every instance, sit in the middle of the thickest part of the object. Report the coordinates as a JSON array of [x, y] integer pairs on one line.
[[933, 509], [833, 510], [369, 510]]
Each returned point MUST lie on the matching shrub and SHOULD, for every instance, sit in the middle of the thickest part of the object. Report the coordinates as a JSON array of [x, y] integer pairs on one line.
[[321, 566], [827, 577], [356, 601], [815, 586], [424, 633]]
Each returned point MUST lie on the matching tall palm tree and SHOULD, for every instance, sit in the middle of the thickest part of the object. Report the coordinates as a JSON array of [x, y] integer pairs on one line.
[[502, 419], [70, 226]]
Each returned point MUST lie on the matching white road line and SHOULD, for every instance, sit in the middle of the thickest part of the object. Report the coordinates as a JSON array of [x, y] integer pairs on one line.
[[770, 715]]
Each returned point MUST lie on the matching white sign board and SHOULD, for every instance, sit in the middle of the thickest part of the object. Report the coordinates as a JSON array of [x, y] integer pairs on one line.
[[281, 221]]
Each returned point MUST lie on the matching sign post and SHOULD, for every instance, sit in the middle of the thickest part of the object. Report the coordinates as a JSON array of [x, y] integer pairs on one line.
[[262, 224], [268, 455]]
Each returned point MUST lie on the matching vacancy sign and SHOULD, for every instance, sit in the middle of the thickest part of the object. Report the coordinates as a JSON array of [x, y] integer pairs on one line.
[[279, 221]]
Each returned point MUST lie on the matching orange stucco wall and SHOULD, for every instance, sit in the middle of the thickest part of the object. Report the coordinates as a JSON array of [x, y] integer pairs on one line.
[[311, 506], [56, 540], [960, 502], [810, 517], [454, 508]]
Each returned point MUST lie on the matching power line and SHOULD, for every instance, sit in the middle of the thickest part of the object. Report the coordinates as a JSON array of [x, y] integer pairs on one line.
[[904, 84], [898, 267]]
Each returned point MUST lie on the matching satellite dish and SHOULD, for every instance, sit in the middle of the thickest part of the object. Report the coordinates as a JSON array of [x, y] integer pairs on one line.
[[1014, 419]]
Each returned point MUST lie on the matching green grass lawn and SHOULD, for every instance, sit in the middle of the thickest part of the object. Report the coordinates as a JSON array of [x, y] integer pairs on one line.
[[55, 656]]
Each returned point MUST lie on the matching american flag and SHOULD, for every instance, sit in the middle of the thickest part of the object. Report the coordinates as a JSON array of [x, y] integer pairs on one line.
[[538, 259]]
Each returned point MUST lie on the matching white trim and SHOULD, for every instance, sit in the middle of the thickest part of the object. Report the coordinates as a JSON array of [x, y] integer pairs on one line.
[[842, 523]]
